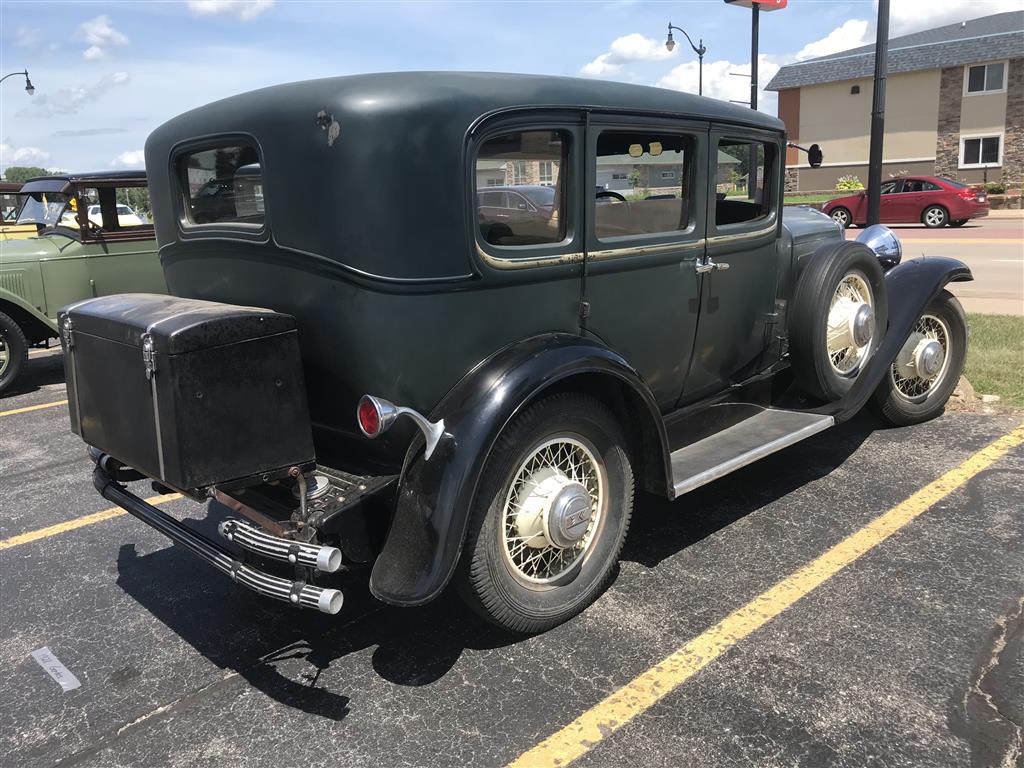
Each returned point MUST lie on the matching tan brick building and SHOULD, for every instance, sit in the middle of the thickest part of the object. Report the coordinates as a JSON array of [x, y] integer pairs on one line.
[[954, 106]]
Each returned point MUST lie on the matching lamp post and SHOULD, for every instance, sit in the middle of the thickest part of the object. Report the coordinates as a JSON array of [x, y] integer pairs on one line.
[[699, 49], [29, 88]]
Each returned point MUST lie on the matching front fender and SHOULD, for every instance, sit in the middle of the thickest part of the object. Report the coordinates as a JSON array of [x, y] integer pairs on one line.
[[434, 497], [911, 286], [13, 299]]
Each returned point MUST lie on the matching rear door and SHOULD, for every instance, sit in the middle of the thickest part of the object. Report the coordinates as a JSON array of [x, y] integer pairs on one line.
[[738, 288], [640, 283], [122, 255]]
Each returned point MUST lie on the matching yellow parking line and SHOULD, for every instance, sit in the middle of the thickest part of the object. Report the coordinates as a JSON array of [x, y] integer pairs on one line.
[[78, 522], [644, 691], [28, 408]]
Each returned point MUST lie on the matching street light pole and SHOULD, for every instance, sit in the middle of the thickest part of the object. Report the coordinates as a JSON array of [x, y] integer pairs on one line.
[[755, 19], [699, 49], [878, 114], [29, 88]]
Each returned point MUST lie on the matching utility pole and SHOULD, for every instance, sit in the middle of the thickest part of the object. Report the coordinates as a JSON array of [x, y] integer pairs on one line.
[[878, 114]]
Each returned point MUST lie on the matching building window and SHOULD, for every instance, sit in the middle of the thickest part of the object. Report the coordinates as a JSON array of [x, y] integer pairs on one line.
[[668, 174], [985, 78], [545, 172], [854, 90], [620, 177], [979, 151]]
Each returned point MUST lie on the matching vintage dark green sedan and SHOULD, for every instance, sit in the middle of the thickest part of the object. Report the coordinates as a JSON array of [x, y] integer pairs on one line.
[[445, 326]]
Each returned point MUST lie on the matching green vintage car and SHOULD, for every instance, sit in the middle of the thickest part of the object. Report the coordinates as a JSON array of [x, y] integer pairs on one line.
[[72, 257]]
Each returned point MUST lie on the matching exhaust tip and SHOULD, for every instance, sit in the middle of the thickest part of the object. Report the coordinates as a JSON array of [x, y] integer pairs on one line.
[[328, 559], [330, 601]]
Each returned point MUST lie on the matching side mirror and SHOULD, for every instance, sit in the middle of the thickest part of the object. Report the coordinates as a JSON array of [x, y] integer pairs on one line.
[[815, 156]]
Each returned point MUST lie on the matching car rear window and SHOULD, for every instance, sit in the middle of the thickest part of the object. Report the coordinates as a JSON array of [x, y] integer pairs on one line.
[[223, 185]]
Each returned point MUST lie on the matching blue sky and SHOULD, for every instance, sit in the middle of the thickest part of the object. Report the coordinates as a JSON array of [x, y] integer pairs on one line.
[[106, 74]]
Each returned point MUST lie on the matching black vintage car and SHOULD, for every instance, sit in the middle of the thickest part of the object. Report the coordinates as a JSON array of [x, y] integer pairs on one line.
[[361, 376]]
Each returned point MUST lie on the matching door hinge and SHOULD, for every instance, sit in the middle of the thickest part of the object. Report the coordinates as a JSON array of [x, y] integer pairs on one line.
[[65, 332], [584, 310], [148, 358]]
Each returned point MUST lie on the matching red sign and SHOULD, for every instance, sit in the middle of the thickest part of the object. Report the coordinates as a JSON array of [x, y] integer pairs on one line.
[[766, 5]]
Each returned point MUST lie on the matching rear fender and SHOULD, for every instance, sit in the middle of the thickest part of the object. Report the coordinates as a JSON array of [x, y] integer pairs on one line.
[[911, 287], [434, 497]]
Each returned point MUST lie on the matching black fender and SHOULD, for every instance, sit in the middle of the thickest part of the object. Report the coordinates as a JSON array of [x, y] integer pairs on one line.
[[910, 287], [434, 496]]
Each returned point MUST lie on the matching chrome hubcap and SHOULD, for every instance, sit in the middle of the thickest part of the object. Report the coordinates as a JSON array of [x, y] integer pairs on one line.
[[554, 510], [4, 356], [841, 217], [851, 324], [923, 361], [934, 216]]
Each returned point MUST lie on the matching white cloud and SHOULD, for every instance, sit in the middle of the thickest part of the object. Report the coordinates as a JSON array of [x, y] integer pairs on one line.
[[720, 84], [26, 37], [68, 101], [22, 155], [101, 35], [133, 158], [243, 9], [623, 50], [852, 34], [906, 16]]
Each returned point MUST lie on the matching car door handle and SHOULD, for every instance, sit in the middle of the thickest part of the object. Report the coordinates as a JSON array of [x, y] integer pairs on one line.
[[704, 267]]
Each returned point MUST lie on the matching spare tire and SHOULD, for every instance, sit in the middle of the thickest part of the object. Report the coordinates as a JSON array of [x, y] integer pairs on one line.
[[838, 316]]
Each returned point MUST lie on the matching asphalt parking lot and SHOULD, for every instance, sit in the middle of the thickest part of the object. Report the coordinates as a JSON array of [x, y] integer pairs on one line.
[[832, 605]]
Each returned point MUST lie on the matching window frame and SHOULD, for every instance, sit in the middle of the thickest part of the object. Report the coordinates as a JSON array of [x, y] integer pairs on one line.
[[985, 91], [670, 245], [964, 138], [566, 253], [187, 229], [762, 225]]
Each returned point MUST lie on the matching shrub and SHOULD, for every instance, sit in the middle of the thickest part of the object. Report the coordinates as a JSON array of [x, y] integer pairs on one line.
[[995, 188], [848, 182]]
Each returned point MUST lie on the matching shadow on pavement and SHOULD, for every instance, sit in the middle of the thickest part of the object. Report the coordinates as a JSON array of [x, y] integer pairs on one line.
[[234, 628], [39, 371]]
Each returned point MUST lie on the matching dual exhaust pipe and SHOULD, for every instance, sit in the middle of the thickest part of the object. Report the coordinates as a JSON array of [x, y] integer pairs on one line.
[[297, 593]]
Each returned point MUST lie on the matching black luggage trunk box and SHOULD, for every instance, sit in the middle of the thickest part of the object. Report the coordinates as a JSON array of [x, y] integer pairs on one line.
[[191, 393]]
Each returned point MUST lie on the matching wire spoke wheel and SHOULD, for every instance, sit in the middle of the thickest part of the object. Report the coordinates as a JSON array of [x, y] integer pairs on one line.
[[908, 379], [554, 510], [847, 343]]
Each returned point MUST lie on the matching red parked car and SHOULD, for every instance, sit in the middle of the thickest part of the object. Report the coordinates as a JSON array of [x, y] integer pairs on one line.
[[931, 200]]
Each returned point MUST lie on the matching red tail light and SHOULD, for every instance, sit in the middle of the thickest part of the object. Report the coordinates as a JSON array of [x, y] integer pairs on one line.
[[369, 417], [968, 194]]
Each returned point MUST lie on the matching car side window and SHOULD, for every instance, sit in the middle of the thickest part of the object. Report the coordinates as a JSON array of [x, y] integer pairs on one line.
[[745, 189], [643, 183], [931, 187], [528, 207], [223, 185], [889, 187]]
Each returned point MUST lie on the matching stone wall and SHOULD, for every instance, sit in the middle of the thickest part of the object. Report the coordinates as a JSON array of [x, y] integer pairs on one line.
[[947, 139], [1013, 137], [792, 180]]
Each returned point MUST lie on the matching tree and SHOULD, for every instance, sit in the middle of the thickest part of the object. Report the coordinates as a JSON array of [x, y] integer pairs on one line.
[[22, 173], [634, 177]]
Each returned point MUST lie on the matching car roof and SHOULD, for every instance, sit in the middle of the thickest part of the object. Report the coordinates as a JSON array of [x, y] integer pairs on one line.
[[60, 182], [312, 136]]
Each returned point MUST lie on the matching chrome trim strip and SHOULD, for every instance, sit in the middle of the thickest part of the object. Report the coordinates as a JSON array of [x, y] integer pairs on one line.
[[645, 250], [703, 478], [741, 236], [499, 262]]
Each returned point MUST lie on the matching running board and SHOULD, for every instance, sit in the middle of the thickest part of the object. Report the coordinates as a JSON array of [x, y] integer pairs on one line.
[[744, 443]]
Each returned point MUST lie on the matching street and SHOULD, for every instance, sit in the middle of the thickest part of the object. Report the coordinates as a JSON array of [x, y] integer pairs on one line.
[[898, 652], [992, 247]]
